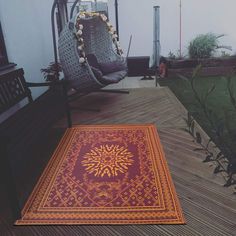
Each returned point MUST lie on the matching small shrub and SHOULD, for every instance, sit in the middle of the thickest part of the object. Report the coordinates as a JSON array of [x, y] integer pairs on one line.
[[204, 45], [177, 56], [221, 130], [52, 72], [171, 55], [224, 54]]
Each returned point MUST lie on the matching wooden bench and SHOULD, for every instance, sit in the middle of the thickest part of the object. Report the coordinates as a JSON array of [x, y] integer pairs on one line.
[[22, 133]]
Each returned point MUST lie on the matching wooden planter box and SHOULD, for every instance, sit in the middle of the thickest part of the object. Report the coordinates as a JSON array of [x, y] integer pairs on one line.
[[210, 66]]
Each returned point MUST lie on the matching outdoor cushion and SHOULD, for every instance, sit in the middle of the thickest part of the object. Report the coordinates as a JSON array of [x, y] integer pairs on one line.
[[92, 60], [109, 72], [114, 77], [106, 67], [114, 66], [98, 74]]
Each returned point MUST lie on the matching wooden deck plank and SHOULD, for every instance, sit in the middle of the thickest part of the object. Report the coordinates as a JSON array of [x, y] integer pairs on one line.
[[201, 199], [209, 208], [203, 184]]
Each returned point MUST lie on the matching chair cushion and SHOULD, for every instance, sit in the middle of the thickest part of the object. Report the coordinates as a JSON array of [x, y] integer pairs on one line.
[[114, 66], [113, 78], [92, 60], [109, 72], [98, 74]]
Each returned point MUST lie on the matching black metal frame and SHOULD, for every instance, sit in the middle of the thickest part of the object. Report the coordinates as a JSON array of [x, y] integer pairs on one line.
[[4, 59], [117, 19], [4, 63], [56, 5]]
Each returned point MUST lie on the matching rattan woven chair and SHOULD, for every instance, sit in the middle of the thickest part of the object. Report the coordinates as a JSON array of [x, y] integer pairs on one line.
[[90, 34]]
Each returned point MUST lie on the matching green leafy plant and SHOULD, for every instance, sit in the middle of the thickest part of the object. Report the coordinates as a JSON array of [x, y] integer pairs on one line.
[[204, 45], [171, 55], [180, 56], [225, 159], [52, 72], [224, 54], [176, 56]]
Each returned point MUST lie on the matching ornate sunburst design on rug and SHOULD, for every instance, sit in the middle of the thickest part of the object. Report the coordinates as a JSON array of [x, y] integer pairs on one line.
[[107, 160], [105, 174]]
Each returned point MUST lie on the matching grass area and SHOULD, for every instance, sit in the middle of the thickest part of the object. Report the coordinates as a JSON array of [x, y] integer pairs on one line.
[[222, 111]]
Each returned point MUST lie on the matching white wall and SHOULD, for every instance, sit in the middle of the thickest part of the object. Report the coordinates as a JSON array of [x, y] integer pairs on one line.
[[198, 17], [27, 31], [27, 28]]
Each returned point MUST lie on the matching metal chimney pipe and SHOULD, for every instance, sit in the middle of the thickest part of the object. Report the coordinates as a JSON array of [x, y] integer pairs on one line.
[[96, 5], [156, 36], [180, 29]]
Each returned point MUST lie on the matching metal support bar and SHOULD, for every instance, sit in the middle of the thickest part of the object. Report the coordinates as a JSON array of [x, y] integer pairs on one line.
[[73, 8], [113, 91], [67, 105], [54, 31], [117, 20]]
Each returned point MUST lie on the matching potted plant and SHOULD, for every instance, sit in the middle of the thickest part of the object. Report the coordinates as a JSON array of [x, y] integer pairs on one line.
[[204, 46], [52, 72]]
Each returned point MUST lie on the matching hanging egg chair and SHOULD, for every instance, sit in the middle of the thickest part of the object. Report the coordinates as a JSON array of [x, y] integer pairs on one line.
[[90, 54]]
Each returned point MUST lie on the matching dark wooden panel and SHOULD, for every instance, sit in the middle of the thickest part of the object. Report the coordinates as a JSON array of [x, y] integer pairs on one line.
[[23, 132], [12, 89]]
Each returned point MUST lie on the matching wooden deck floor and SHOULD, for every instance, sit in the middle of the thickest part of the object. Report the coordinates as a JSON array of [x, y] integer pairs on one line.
[[209, 208]]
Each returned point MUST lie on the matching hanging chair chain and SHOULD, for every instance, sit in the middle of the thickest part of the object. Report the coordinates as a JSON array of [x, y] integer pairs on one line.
[[79, 33]]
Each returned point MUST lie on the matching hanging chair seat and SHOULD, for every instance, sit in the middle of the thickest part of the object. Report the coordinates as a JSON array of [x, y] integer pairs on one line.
[[89, 53], [108, 72], [113, 78]]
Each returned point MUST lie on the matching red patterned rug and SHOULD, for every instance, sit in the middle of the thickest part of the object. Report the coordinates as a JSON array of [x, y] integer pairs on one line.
[[105, 174]]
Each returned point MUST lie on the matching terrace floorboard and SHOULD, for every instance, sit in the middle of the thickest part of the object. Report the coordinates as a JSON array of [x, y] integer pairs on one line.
[[209, 208]]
